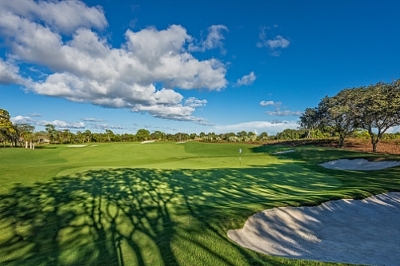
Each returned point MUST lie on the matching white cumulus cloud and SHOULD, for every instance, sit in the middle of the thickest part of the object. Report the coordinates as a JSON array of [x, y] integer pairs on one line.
[[275, 45], [277, 42], [65, 16], [194, 102], [63, 124], [266, 103], [284, 113], [86, 68], [246, 79], [214, 40], [91, 119], [106, 126], [59, 124], [19, 119], [278, 111], [9, 73], [257, 126]]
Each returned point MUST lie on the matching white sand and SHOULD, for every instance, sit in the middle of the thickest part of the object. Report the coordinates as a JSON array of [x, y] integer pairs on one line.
[[348, 231], [359, 164], [76, 146], [147, 141]]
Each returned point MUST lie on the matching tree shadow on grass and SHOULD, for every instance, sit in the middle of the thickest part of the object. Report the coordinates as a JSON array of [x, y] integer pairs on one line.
[[356, 184], [85, 219], [145, 217]]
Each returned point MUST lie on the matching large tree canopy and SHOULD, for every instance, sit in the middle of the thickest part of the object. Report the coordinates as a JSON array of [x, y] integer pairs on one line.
[[339, 113], [378, 109], [374, 108]]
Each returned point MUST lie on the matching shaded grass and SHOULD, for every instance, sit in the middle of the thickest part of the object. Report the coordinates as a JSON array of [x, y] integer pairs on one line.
[[99, 211]]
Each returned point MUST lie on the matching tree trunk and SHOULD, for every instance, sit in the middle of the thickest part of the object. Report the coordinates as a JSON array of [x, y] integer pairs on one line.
[[374, 143], [374, 147], [308, 133], [374, 139], [341, 141]]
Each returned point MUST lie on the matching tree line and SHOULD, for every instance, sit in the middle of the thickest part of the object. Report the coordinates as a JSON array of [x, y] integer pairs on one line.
[[373, 109], [366, 112], [21, 134]]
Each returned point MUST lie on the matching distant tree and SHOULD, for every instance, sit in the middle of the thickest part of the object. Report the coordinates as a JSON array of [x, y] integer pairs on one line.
[[231, 137], [127, 137], [202, 135], [117, 138], [170, 137], [109, 134], [211, 137], [193, 136], [80, 137], [289, 134], [251, 136], [6, 126], [142, 134], [263, 136], [88, 135], [158, 135], [52, 133], [25, 132], [310, 120], [66, 136], [241, 135]]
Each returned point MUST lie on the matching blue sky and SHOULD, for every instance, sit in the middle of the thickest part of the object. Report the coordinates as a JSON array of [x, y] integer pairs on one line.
[[188, 66]]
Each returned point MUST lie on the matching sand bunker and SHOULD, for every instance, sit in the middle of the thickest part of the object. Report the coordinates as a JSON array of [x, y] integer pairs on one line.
[[147, 141], [348, 231], [359, 164], [76, 146]]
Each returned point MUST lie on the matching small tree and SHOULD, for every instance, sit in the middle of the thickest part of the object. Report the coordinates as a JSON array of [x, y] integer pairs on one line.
[[52, 132], [310, 120], [7, 130], [263, 136], [25, 132], [142, 134]]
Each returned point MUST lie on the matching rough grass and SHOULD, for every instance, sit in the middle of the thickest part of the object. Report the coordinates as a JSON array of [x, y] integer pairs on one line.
[[160, 203]]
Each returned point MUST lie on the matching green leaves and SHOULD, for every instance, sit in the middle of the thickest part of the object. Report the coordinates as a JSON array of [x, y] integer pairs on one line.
[[375, 108]]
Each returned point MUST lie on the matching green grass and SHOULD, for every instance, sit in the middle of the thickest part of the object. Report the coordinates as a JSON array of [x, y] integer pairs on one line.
[[160, 203]]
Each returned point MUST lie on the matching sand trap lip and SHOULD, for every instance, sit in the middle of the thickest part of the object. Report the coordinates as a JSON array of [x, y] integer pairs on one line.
[[76, 146], [359, 164], [147, 141], [181, 142], [283, 152], [347, 231]]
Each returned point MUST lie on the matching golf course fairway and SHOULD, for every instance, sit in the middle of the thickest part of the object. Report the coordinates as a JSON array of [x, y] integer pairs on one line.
[[161, 203]]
